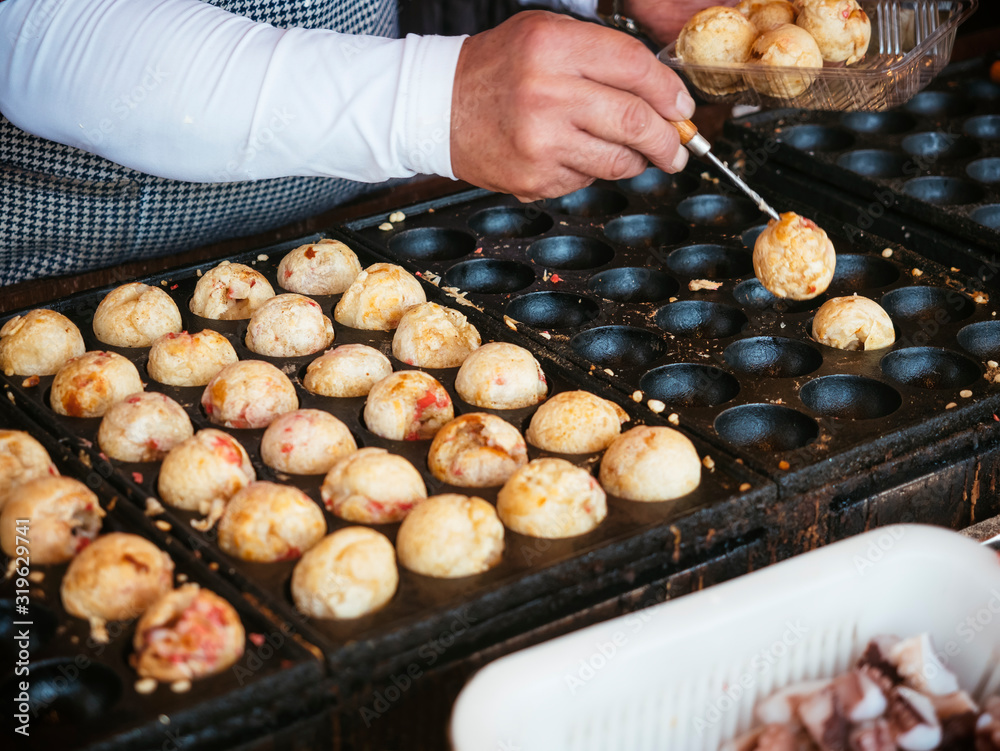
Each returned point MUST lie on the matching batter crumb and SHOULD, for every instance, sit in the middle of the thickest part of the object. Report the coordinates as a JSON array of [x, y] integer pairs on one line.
[[708, 462], [385, 226], [696, 285], [950, 405], [965, 393], [674, 419], [887, 253], [655, 405], [744, 487], [636, 396]]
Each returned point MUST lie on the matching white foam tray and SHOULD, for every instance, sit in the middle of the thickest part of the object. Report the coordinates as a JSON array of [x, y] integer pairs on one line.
[[686, 674]]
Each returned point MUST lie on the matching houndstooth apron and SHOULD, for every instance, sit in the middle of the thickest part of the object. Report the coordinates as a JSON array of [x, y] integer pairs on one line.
[[63, 210]]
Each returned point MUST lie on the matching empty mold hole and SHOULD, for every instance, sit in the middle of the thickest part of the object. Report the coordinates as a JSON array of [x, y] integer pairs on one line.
[[924, 305], [986, 127], [851, 397], [633, 284], [937, 145], [556, 310], [64, 693], [988, 216], [644, 231], [43, 628], [937, 104], [618, 346], [749, 236], [981, 339], [689, 385], [752, 294], [873, 163], [816, 138], [856, 273], [930, 368], [773, 356], [510, 222], [658, 184], [878, 123], [717, 211], [489, 275], [766, 427], [699, 319], [710, 262], [570, 252], [943, 191], [985, 170], [432, 244], [588, 202]]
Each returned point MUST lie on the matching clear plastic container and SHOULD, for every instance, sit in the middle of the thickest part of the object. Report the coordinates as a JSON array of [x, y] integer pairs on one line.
[[910, 44]]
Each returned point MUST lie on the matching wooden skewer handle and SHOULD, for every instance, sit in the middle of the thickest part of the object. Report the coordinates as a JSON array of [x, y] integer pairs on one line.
[[686, 129]]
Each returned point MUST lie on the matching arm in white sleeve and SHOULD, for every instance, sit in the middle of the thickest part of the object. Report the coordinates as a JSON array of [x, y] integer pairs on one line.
[[185, 90]]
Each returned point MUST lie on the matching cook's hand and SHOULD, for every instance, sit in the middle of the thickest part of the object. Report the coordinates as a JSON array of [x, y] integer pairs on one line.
[[662, 20], [544, 104]]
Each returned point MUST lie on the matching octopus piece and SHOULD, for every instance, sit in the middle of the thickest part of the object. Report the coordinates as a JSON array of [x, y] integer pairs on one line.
[[409, 405], [794, 258], [187, 634], [134, 315], [650, 464], [143, 427], [477, 450], [378, 297], [306, 442], [189, 359], [716, 36], [289, 326], [230, 292], [22, 459], [551, 498], [346, 371], [267, 522], [433, 336], [88, 385], [842, 30], [501, 376], [64, 516], [326, 267], [248, 394], [853, 323], [767, 14], [575, 422], [348, 574], [372, 486], [449, 536], [786, 46], [38, 343]]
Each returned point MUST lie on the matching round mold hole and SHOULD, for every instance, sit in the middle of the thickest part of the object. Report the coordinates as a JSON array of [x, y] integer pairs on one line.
[[856, 273], [878, 123], [981, 88], [556, 310], [749, 236], [489, 275], [633, 284], [432, 244], [644, 231], [850, 396], [985, 170], [930, 368], [943, 191], [43, 628], [710, 262], [700, 319], [717, 211], [816, 138], [570, 252], [510, 222], [618, 346], [655, 182], [689, 385], [873, 163], [752, 294], [981, 339], [937, 145], [69, 694], [927, 305], [986, 127], [773, 356], [589, 202], [988, 216], [766, 427], [937, 104]]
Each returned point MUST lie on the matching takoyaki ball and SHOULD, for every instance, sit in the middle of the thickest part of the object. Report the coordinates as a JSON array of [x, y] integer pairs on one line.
[[348, 574], [267, 522], [853, 323], [477, 450], [450, 536], [22, 459], [134, 315], [204, 472], [38, 343], [143, 427], [650, 464], [289, 326], [248, 394], [842, 30], [230, 292], [409, 405], [372, 486], [786, 46], [575, 422], [88, 385], [433, 336], [306, 442], [793, 258], [189, 359], [501, 376], [347, 370], [716, 36], [767, 14], [378, 297], [551, 498], [116, 578], [63, 517], [187, 634], [326, 267]]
